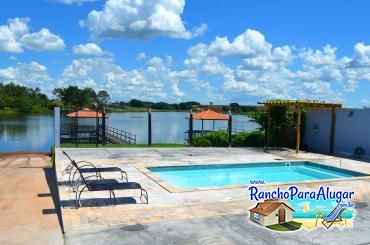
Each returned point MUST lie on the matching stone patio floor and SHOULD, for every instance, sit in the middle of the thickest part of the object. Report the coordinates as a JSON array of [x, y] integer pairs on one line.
[[198, 217]]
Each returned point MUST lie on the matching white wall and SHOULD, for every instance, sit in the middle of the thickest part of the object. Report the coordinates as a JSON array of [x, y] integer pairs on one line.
[[351, 131]]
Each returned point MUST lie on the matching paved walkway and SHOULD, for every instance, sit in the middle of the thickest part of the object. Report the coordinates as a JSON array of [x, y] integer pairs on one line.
[[198, 217], [27, 214]]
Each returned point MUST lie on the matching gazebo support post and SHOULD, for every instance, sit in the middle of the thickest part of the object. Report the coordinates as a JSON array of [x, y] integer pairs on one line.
[[190, 128], [103, 127], [268, 126], [298, 130], [332, 129], [230, 128], [76, 131], [97, 128], [149, 126], [202, 127]]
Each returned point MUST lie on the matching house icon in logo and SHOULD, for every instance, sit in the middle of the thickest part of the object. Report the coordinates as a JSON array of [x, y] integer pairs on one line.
[[271, 212]]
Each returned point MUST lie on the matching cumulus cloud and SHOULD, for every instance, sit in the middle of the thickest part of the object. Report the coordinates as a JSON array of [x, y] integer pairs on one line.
[[258, 71], [140, 19], [87, 49], [28, 74], [154, 81], [43, 40], [268, 72], [141, 56], [15, 36], [248, 44]]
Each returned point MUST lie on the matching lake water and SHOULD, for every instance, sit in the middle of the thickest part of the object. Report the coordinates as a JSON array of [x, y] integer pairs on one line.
[[35, 132]]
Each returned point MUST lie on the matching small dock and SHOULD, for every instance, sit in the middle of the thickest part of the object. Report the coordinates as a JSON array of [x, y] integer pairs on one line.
[[117, 136]]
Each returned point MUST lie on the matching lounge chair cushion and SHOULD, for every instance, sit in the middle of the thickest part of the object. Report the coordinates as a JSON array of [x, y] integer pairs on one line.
[[93, 170], [96, 186]]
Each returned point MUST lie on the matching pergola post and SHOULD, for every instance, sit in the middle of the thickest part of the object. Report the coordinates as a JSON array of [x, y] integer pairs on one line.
[[268, 126], [332, 129], [298, 130]]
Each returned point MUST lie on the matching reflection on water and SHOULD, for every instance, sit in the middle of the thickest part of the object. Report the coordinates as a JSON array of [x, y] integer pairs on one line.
[[35, 133], [168, 127], [26, 133]]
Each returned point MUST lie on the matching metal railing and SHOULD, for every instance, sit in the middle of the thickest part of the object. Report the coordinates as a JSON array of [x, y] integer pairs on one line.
[[120, 134], [235, 130]]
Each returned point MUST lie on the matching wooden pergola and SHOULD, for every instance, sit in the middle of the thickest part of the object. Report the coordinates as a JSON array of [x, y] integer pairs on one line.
[[298, 104]]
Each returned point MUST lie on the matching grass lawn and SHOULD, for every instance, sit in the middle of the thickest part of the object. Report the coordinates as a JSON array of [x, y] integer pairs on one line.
[[279, 227], [123, 146], [295, 224]]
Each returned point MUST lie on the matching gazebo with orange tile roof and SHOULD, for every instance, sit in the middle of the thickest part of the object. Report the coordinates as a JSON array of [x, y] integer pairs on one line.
[[209, 115]]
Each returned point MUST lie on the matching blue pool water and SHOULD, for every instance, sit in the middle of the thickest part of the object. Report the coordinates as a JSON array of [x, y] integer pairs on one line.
[[240, 174]]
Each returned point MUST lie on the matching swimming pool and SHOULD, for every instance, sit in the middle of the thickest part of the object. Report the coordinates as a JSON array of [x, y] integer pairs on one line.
[[221, 175]]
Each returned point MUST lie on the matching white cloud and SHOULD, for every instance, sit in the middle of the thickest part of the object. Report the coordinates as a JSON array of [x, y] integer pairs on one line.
[[141, 56], [366, 103], [268, 72], [155, 81], [140, 19], [251, 43], [70, 2], [43, 40], [10, 34], [361, 56], [15, 36], [87, 49], [28, 74]]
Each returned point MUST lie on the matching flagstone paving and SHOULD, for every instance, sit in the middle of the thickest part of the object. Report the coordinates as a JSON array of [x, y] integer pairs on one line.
[[209, 209]]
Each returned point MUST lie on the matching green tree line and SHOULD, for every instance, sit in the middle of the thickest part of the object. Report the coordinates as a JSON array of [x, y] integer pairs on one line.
[[18, 98]]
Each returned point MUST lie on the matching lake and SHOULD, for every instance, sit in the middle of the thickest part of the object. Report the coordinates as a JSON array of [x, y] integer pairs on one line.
[[35, 132]]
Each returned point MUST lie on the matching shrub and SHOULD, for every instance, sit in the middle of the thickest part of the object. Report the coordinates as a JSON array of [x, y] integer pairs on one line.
[[216, 139], [220, 139], [201, 141]]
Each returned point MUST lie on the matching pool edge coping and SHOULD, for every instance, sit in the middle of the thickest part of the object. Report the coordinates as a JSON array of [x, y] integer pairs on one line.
[[172, 189]]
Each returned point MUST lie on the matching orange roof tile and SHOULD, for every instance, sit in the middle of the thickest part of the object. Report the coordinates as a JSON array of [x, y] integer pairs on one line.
[[266, 208], [85, 113], [209, 115]]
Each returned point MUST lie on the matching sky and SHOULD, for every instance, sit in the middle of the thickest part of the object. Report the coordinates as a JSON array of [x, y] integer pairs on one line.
[[184, 50]]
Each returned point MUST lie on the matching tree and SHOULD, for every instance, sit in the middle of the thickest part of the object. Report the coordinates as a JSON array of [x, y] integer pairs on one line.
[[72, 96], [319, 215], [102, 97], [282, 125], [22, 99], [234, 107], [136, 103]]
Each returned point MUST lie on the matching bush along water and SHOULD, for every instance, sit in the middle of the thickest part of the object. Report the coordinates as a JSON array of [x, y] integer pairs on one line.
[[219, 139]]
